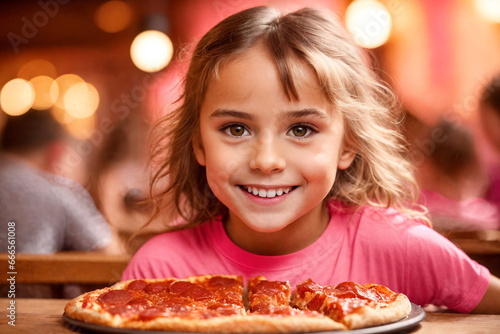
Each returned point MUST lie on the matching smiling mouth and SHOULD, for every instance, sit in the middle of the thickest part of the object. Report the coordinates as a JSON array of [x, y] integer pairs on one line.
[[268, 193]]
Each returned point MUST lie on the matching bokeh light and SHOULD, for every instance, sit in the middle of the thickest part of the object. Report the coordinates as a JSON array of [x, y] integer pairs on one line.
[[46, 92], [489, 10], [151, 50], [369, 23], [64, 82], [60, 114], [81, 128], [81, 100], [113, 16], [17, 97], [37, 67]]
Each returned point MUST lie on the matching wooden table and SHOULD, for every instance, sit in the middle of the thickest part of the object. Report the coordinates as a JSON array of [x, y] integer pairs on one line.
[[476, 242], [65, 267], [44, 316]]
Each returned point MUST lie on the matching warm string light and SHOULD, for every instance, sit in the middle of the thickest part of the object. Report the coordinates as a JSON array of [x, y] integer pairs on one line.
[[81, 100], [369, 23], [489, 10], [17, 97], [152, 50], [113, 16], [37, 67], [81, 128], [46, 92], [72, 101]]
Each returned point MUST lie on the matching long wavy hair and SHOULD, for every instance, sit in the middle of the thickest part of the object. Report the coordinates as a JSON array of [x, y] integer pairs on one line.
[[380, 175]]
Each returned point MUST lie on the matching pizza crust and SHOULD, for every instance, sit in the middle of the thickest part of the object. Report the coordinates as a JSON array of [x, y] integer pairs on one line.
[[286, 324], [74, 310], [368, 316], [240, 324]]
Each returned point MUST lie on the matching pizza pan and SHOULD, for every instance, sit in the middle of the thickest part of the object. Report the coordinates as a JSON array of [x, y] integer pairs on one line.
[[417, 314]]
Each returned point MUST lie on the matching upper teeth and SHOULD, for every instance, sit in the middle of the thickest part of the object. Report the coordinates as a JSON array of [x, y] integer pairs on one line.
[[267, 192]]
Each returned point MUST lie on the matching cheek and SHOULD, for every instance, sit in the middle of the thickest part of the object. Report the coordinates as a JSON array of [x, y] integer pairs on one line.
[[223, 160], [220, 168], [327, 156], [320, 166], [216, 179]]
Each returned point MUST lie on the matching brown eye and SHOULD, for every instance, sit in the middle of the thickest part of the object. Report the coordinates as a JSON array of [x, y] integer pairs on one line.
[[299, 131], [237, 130]]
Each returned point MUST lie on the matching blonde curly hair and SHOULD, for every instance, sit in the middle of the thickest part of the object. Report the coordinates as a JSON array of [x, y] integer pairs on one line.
[[380, 175]]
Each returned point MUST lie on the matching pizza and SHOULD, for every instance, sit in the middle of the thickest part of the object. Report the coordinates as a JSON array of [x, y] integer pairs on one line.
[[352, 304], [220, 304]]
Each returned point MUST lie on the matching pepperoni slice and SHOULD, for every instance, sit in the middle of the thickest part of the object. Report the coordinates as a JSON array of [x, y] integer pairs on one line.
[[353, 290], [229, 298], [137, 285], [157, 287], [347, 294], [316, 302], [198, 293], [180, 287], [116, 297], [138, 304], [269, 288], [219, 281], [308, 286]]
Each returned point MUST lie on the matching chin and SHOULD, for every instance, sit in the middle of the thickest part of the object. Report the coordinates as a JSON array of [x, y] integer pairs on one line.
[[266, 227]]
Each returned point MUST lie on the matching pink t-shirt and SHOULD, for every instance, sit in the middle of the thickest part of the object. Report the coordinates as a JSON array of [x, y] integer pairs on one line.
[[370, 245]]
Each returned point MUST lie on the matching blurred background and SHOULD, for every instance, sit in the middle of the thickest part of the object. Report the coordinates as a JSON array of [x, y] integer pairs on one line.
[[91, 65]]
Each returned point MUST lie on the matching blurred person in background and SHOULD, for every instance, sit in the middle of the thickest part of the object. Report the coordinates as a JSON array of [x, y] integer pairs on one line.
[[452, 178], [119, 184], [489, 112], [50, 213]]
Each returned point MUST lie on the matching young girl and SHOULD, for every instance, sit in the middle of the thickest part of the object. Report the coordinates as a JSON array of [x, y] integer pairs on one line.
[[284, 160]]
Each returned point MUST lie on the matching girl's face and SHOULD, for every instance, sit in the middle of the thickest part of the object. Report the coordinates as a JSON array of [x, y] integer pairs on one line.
[[269, 160]]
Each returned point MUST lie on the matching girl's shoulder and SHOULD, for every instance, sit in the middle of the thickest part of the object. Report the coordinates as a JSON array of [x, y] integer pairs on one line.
[[181, 238]]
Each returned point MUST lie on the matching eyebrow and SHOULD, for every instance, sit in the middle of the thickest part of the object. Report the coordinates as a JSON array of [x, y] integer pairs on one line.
[[308, 112], [219, 113]]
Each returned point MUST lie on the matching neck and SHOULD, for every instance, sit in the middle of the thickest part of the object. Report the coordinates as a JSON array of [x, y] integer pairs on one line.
[[294, 237]]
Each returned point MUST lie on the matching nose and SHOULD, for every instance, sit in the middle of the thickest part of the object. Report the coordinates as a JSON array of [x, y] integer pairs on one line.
[[266, 156]]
